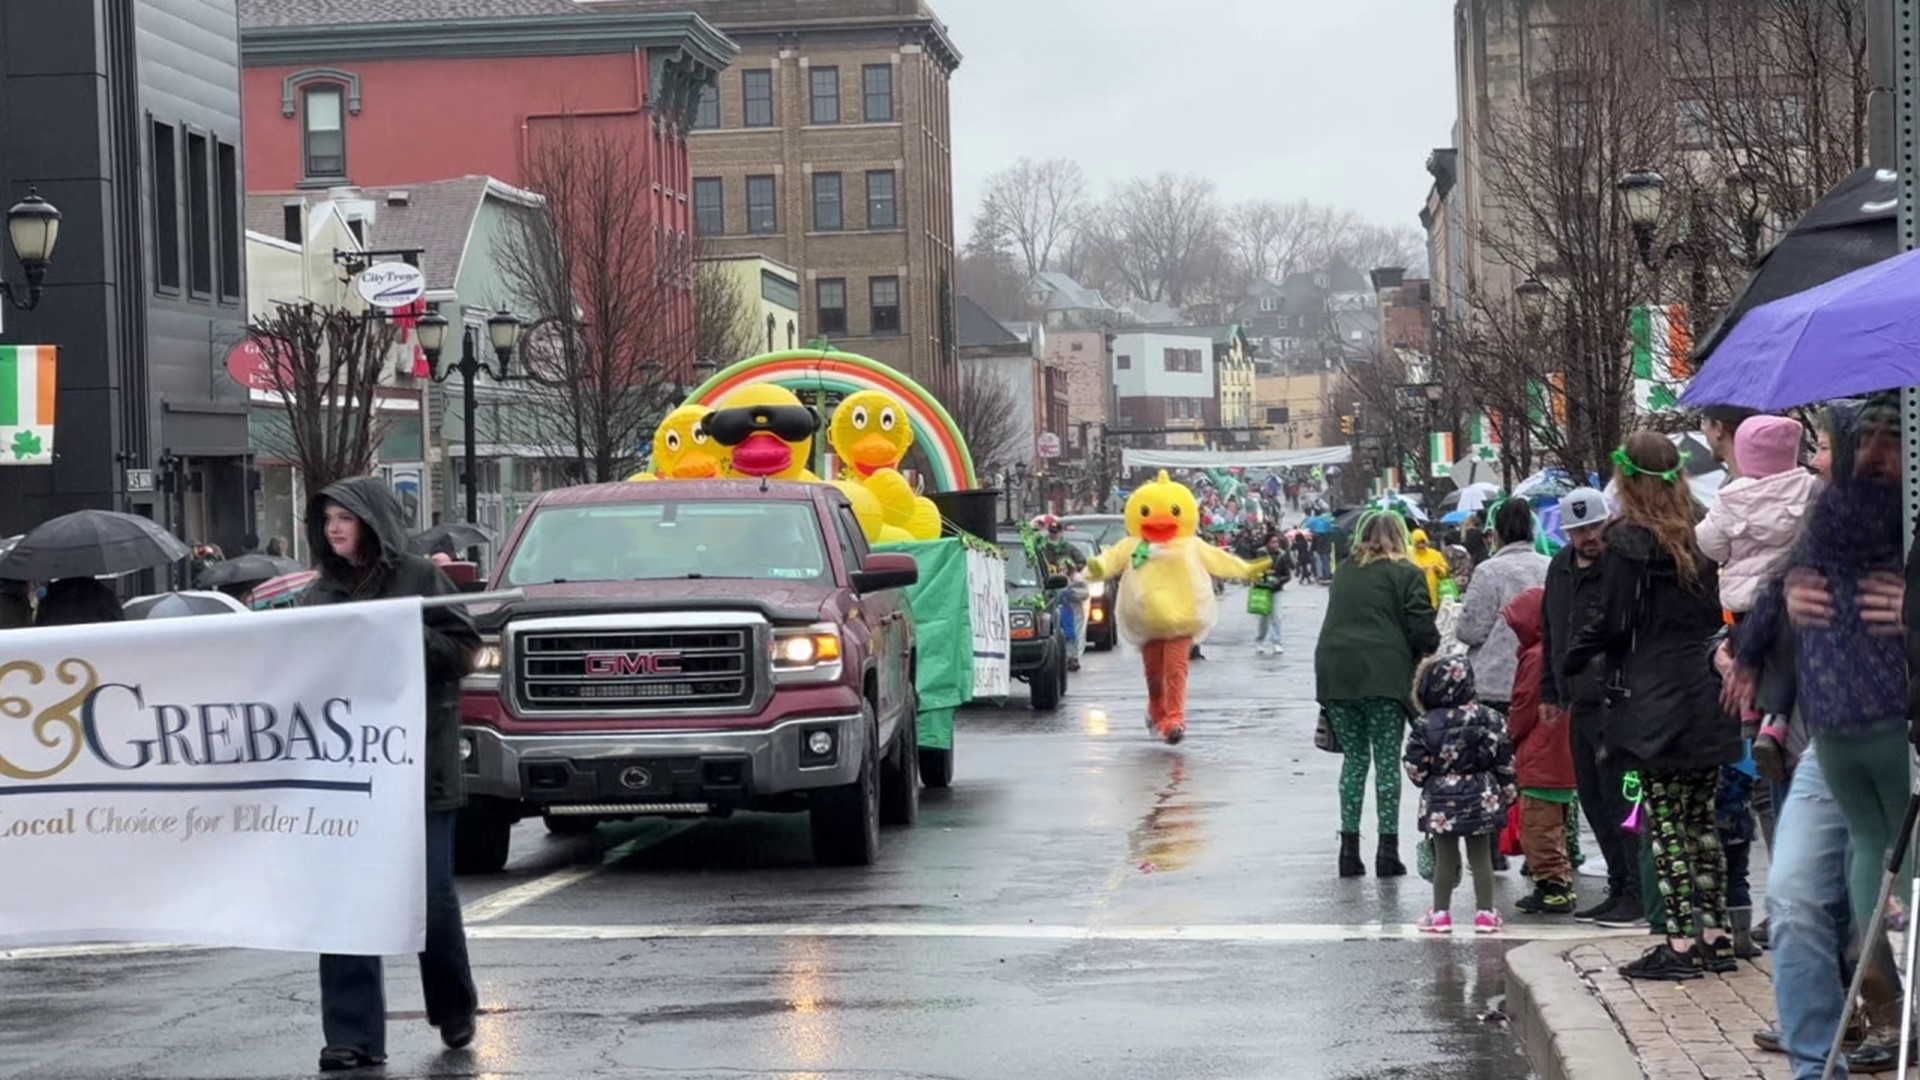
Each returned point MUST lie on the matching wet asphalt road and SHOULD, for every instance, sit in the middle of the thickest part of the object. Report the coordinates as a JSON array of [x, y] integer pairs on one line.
[[1084, 902]]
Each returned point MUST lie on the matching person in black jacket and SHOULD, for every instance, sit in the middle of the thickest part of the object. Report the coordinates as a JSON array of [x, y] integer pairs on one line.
[[354, 527], [1659, 606], [1573, 593]]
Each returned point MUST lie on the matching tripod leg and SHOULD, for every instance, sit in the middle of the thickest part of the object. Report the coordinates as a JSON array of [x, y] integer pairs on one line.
[[1906, 997], [1875, 926]]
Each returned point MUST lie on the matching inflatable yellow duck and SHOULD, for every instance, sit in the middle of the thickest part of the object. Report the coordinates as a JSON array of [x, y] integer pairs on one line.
[[768, 431], [870, 434], [682, 450], [1165, 603]]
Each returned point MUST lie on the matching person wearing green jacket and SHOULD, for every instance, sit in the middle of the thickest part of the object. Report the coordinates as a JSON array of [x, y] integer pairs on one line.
[[1379, 624]]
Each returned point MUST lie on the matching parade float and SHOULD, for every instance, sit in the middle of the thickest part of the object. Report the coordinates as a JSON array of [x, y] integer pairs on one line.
[[850, 421]]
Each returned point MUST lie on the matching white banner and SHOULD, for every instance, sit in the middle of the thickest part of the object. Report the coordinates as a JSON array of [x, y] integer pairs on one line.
[[239, 780], [992, 660], [1227, 459]]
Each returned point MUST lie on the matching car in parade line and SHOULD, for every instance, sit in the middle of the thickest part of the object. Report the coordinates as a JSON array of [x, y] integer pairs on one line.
[[691, 649], [1103, 530], [1037, 642]]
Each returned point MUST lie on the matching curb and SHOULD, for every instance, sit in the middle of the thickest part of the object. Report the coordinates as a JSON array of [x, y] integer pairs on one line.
[[1566, 1032]]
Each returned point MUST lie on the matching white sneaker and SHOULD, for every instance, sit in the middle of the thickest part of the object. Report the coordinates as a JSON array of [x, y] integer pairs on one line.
[[1260, 648]]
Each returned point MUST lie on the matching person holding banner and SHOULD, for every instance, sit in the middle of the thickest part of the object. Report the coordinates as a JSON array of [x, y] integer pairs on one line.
[[355, 529]]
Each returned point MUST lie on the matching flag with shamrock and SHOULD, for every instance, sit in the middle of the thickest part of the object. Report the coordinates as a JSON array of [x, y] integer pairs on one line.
[[26, 404]]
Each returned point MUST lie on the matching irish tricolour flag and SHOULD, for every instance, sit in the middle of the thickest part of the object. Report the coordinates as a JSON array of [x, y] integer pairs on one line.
[[26, 404]]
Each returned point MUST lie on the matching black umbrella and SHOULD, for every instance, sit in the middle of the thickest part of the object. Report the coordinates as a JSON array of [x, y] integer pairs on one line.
[[1850, 227], [173, 605], [91, 543], [450, 537], [247, 570]]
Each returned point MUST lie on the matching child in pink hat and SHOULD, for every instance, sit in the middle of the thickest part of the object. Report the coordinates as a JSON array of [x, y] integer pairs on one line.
[[1751, 529]]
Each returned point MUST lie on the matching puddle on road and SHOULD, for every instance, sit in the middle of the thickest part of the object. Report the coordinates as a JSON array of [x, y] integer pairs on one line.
[[762, 1007], [1172, 833]]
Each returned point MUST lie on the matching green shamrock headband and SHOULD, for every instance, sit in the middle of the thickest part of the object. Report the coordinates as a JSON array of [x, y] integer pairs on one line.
[[1628, 468]]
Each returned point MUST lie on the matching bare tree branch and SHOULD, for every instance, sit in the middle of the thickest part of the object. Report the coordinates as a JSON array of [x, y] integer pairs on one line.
[[724, 328], [988, 415], [1030, 209], [612, 327], [325, 365], [1162, 238]]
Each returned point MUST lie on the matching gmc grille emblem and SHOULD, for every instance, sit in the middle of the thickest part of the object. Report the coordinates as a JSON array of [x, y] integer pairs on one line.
[[633, 663]]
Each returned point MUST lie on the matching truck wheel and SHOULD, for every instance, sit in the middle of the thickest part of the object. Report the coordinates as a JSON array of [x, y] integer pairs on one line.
[[900, 776], [845, 821], [570, 824], [936, 767], [481, 840], [1050, 682]]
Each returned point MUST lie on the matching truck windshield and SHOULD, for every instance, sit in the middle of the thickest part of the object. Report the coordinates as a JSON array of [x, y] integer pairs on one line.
[[1021, 573], [651, 541]]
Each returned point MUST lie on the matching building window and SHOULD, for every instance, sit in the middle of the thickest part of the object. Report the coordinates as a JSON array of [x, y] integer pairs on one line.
[[882, 210], [228, 168], [1075, 347], [1183, 360], [199, 216], [756, 92], [165, 168], [876, 80], [761, 216], [325, 132], [826, 202], [1123, 362], [831, 316], [706, 115], [1269, 303], [779, 291], [883, 296], [709, 207], [1277, 414], [826, 95]]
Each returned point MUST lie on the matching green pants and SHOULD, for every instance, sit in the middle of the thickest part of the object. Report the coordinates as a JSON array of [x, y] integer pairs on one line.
[[1870, 782], [1370, 730]]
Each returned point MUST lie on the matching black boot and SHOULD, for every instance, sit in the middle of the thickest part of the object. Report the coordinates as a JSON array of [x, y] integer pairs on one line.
[[1386, 858], [1350, 864]]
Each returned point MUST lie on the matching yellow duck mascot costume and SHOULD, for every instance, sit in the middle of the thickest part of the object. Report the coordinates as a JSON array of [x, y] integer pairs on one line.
[[1165, 602], [769, 432], [683, 451], [870, 435]]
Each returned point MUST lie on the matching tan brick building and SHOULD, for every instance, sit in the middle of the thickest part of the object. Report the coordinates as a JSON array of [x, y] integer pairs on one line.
[[827, 146]]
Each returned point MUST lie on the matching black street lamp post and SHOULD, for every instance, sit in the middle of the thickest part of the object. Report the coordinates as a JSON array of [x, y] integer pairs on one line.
[[33, 225], [503, 333]]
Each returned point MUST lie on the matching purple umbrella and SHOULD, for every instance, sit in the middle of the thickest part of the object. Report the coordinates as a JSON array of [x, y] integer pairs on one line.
[[1854, 335]]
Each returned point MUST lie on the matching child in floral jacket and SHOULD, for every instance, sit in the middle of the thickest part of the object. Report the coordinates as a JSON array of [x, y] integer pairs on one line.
[[1461, 758]]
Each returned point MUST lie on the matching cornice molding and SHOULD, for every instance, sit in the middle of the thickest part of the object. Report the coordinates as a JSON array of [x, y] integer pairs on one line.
[[538, 35]]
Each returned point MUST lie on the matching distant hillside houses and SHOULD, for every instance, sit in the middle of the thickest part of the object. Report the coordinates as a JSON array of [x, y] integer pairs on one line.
[[1310, 320]]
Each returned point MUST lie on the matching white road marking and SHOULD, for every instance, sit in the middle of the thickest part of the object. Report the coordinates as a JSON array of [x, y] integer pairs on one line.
[[1249, 933], [1229, 933], [519, 896]]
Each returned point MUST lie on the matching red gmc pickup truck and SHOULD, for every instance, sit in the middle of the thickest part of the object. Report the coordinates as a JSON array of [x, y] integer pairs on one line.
[[688, 649]]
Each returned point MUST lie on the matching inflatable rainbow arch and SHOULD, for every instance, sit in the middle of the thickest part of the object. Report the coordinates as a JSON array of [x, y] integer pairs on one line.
[[807, 370]]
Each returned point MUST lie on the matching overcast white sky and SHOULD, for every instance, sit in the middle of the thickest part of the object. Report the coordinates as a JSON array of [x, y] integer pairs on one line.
[[1337, 101]]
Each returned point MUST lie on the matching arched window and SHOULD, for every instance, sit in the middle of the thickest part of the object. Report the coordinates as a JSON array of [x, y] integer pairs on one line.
[[325, 98]]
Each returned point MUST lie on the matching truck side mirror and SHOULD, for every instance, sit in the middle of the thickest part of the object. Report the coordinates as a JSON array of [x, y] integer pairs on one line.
[[887, 570], [1059, 583]]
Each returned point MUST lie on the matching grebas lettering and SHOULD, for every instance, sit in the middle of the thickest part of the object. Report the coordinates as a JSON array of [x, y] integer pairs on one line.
[[123, 730]]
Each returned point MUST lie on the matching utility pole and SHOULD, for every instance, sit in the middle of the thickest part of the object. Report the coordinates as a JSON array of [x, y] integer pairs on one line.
[[1892, 110]]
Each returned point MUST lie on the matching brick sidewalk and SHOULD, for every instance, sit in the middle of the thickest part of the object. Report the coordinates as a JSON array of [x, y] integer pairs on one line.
[[1699, 1030]]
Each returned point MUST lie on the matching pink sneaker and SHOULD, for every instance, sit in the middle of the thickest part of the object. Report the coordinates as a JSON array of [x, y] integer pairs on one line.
[[1488, 922], [1436, 922]]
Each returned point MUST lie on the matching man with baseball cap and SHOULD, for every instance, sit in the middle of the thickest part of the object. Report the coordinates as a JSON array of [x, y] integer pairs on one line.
[[1573, 591]]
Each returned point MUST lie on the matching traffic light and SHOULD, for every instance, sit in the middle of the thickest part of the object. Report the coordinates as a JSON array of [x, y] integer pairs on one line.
[[1346, 425]]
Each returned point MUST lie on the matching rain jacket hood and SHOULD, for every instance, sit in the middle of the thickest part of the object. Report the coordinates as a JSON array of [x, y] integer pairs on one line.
[[1524, 614], [1445, 683], [368, 499]]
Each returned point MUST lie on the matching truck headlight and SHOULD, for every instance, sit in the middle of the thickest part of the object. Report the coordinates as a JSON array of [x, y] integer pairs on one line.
[[487, 661], [1021, 624], [806, 654], [1096, 589]]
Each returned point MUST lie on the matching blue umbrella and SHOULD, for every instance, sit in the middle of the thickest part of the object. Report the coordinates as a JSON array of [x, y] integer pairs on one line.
[[1319, 523], [1455, 517], [1854, 335]]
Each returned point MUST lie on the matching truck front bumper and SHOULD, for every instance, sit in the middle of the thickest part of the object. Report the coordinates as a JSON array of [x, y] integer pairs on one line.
[[718, 769]]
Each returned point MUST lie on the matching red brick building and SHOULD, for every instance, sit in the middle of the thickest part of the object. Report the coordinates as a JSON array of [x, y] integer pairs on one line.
[[369, 93]]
